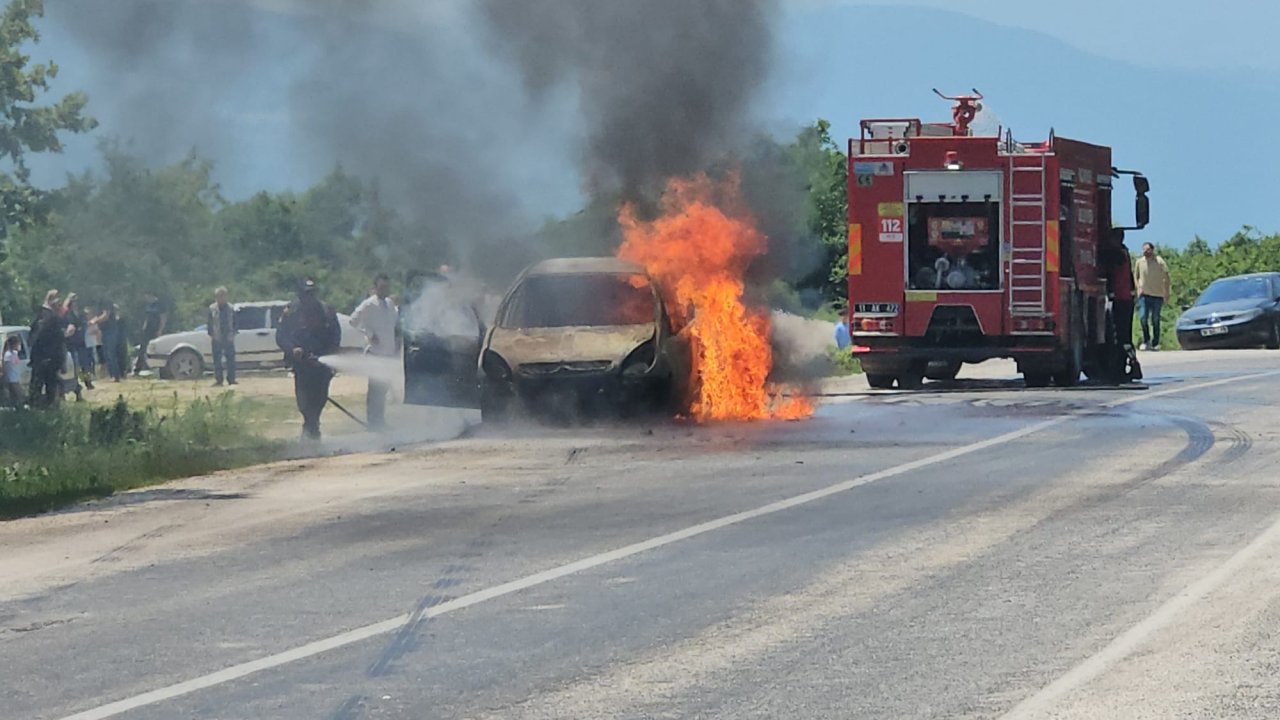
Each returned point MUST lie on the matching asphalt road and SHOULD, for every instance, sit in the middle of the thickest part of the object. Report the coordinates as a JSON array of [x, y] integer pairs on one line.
[[975, 551]]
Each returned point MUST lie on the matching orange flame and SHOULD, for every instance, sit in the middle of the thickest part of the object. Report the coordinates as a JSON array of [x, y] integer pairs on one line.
[[699, 250]]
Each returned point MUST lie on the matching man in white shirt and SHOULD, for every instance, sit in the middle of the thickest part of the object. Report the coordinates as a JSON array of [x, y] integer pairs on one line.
[[378, 318]]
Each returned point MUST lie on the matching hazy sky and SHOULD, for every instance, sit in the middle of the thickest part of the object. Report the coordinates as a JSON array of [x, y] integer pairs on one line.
[[1222, 34]]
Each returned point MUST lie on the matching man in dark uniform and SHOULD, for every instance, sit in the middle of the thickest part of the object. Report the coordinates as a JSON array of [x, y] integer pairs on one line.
[[48, 352], [153, 326], [1119, 267], [308, 331]]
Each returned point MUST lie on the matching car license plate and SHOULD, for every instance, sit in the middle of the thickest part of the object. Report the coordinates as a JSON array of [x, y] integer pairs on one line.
[[1220, 330]]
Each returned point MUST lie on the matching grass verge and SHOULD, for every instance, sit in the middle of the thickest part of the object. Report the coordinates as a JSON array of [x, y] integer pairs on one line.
[[54, 457]]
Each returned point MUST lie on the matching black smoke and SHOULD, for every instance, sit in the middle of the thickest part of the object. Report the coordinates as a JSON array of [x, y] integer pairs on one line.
[[463, 111], [665, 85], [392, 90]]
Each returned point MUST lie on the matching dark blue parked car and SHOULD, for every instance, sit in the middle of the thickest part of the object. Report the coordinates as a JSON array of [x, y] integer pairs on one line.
[[1235, 312]]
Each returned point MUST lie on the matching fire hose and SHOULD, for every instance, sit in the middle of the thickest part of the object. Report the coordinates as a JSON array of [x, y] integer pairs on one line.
[[349, 414]]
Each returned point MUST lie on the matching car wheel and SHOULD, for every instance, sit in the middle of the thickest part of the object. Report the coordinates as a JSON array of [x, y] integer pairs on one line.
[[1273, 342], [495, 404], [185, 364]]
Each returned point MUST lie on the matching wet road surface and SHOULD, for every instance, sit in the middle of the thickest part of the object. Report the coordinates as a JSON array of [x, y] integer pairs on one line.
[[973, 551]]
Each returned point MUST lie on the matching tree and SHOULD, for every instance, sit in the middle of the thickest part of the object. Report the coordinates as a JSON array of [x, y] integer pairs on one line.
[[797, 192], [26, 127]]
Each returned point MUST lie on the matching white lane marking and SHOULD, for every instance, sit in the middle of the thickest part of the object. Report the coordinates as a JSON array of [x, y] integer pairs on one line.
[[1127, 642], [301, 652], [1184, 388]]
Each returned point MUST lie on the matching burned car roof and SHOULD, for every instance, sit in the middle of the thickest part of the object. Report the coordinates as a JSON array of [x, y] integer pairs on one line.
[[583, 265]]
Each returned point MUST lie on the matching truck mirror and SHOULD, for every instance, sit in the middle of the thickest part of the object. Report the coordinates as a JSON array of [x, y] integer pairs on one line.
[[1141, 185], [1142, 210]]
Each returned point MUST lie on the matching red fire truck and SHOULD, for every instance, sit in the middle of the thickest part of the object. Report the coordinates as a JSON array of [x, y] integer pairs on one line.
[[965, 247]]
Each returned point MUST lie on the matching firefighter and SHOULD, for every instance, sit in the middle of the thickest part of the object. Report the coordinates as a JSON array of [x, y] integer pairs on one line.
[[1119, 266], [309, 330]]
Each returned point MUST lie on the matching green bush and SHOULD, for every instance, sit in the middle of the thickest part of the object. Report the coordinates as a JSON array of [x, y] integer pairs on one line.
[[843, 362], [49, 458]]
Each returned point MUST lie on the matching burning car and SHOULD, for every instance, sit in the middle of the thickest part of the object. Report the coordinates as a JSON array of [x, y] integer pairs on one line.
[[583, 328], [591, 332]]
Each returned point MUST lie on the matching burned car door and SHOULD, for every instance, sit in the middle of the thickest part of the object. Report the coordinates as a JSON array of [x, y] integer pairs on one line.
[[443, 331], [677, 354]]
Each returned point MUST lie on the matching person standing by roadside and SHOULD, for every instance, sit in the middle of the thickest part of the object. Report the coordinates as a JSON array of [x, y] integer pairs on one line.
[[48, 352], [308, 331], [153, 324], [1154, 287], [222, 334], [114, 344], [14, 394], [78, 343], [378, 318], [93, 342]]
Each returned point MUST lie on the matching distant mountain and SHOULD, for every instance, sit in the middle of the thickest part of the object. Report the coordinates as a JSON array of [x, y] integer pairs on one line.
[[1203, 138]]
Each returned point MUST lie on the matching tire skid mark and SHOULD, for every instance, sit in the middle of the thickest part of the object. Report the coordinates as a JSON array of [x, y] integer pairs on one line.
[[121, 549], [407, 639], [1200, 440], [350, 709], [1241, 444]]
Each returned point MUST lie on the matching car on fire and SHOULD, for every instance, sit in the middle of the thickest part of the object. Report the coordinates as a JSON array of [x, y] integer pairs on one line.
[[569, 334], [587, 329], [187, 355], [1235, 312]]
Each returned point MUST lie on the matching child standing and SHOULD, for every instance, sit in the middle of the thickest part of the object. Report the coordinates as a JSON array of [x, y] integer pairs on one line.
[[13, 372]]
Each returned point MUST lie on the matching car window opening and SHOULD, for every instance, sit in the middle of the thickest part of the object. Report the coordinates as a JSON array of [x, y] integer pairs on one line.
[[549, 301]]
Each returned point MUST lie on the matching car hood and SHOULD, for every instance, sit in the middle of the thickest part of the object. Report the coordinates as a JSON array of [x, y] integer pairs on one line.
[[1222, 309], [543, 345]]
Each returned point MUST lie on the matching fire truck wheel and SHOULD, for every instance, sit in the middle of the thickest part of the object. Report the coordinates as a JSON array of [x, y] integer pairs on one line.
[[944, 371], [911, 380], [880, 382], [1037, 379], [1073, 357]]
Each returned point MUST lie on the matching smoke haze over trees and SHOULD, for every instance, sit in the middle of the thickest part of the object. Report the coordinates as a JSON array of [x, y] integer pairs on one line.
[[422, 107], [436, 128]]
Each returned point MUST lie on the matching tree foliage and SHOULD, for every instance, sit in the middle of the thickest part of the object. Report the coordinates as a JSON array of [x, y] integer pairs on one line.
[[796, 190], [26, 126], [114, 235]]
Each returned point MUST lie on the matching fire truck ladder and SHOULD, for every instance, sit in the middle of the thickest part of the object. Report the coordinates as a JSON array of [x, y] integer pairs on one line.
[[1027, 234]]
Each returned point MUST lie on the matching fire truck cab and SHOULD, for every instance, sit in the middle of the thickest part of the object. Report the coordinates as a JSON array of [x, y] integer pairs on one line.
[[967, 247]]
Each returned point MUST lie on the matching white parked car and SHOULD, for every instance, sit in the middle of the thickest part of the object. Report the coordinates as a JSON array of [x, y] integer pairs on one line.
[[189, 354]]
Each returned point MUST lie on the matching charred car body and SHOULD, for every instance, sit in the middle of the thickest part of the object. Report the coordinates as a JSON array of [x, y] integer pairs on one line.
[[570, 334]]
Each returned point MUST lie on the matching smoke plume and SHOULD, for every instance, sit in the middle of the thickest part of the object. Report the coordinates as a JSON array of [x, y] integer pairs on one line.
[[665, 85], [393, 90], [474, 117]]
